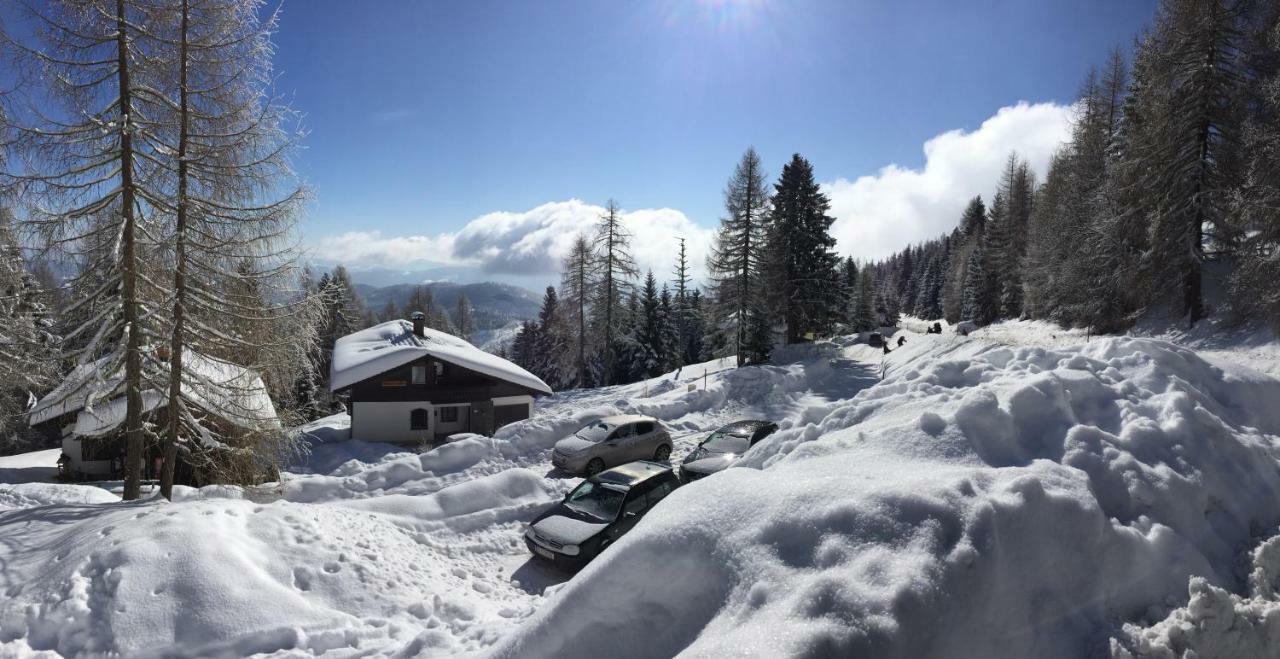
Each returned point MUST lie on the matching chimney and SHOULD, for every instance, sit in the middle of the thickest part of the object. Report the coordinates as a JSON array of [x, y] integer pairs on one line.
[[419, 323]]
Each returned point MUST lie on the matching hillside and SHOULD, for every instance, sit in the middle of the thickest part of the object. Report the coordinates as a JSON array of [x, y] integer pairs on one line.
[[495, 304]]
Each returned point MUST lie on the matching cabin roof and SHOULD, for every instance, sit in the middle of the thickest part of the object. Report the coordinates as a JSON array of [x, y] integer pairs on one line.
[[94, 390], [378, 349]]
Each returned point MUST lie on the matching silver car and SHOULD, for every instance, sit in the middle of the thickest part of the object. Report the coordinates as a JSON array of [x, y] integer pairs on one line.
[[612, 441]]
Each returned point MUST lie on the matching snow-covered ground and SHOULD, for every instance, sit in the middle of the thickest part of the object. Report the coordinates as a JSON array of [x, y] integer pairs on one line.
[[957, 497]]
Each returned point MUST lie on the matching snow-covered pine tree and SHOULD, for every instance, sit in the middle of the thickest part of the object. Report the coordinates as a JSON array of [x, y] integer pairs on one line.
[[672, 356], [863, 316], [1007, 236], [28, 349], [1254, 287], [524, 348], [615, 280], [1198, 51], [650, 335], [981, 300], [802, 276], [734, 266], [964, 240], [693, 346], [848, 287], [682, 315], [577, 283]]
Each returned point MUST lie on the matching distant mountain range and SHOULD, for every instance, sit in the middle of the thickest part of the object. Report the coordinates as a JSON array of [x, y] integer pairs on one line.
[[496, 305]]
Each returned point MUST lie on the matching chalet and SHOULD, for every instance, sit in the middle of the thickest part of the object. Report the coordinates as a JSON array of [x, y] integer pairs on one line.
[[87, 410], [409, 383]]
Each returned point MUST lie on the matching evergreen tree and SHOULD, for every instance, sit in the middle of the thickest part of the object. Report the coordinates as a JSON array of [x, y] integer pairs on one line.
[[1197, 61], [1254, 286], [863, 317], [802, 274], [577, 284], [650, 357], [735, 265], [616, 272], [671, 354]]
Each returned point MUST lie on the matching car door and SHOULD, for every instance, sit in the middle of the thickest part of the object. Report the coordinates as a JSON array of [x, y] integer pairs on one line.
[[642, 442], [633, 508], [620, 445]]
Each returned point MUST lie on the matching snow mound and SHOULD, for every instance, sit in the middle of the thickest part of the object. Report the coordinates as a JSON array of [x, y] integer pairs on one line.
[[30, 495], [980, 501], [1216, 624]]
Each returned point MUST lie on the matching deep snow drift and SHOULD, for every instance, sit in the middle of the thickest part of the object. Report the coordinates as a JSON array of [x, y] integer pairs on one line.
[[982, 501], [979, 501]]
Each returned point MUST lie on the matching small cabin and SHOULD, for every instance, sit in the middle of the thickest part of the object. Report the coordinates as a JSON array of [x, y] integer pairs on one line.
[[407, 383], [87, 412]]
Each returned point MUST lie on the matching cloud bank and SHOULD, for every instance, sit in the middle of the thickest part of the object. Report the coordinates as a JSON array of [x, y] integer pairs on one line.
[[876, 215], [531, 243]]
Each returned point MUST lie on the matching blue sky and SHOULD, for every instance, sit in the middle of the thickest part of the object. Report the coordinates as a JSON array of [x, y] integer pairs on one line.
[[425, 115], [483, 135]]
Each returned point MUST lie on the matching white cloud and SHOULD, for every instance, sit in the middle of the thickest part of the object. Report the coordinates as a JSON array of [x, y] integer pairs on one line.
[[530, 243], [875, 215], [372, 248], [878, 215]]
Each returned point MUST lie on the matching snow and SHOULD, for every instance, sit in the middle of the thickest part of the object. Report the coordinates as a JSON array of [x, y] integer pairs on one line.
[[30, 467], [1047, 497], [234, 393], [956, 497], [380, 348]]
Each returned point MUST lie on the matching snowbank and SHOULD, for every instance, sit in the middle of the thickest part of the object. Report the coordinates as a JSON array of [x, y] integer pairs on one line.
[[30, 467], [981, 501]]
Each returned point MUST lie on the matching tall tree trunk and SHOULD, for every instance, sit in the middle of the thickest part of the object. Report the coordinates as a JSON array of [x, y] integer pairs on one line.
[[582, 324], [133, 459], [179, 271]]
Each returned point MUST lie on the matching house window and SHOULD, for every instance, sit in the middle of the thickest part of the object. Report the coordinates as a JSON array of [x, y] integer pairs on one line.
[[448, 415], [419, 374], [419, 419], [440, 371]]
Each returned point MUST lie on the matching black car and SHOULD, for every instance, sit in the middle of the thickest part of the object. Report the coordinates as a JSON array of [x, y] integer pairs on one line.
[[724, 447], [597, 512]]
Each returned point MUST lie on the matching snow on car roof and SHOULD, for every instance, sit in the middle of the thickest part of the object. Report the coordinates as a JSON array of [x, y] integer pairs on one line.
[[631, 473], [619, 419], [378, 349]]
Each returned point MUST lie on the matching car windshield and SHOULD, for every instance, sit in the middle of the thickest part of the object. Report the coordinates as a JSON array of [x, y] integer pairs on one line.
[[723, 442], [595, 432], [596, 500]]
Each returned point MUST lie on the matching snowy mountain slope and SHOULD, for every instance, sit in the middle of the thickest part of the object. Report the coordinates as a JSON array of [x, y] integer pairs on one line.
[[980, 501]]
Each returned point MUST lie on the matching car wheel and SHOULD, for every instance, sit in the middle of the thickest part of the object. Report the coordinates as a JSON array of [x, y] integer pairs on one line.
[[662, 453], [594, 467]]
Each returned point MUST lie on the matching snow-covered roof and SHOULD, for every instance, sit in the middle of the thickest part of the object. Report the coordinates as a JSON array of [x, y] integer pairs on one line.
[[380, 348], [232, 392]]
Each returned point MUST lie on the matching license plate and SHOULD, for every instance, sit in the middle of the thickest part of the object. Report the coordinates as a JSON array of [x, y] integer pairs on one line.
[[543, 553]]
